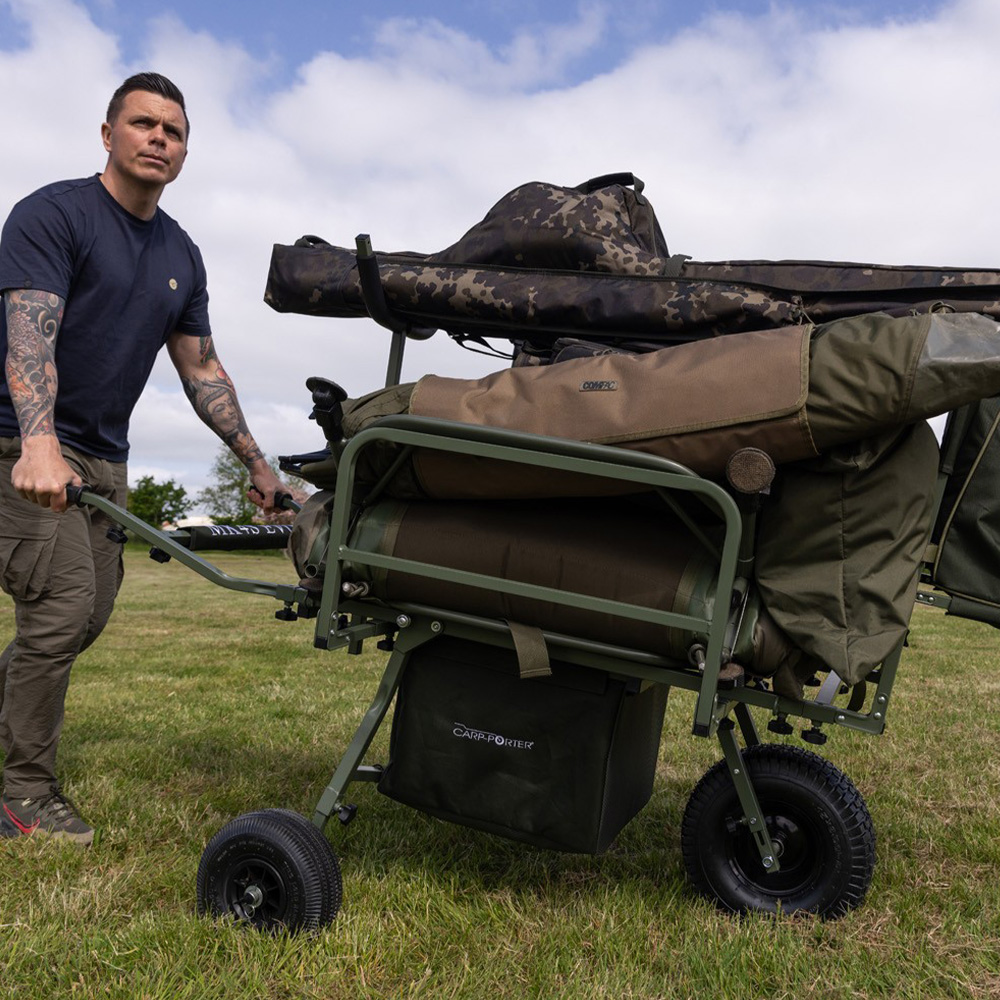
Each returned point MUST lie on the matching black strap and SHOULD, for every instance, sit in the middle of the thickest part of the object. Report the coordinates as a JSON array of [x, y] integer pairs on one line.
[[857, 697], [625, 178], [311, 241]]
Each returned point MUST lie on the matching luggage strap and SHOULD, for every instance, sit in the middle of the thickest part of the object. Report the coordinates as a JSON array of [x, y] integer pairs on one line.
[[532, 653]]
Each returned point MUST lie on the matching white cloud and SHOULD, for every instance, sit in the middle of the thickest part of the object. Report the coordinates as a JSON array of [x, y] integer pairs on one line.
[[431, 50], [758, 137]]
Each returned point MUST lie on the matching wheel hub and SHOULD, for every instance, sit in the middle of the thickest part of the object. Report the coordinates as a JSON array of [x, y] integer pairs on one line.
[[792, 846], [253, 896], [257, 892]]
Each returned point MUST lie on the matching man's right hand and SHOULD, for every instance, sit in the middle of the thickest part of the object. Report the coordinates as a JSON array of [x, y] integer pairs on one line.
[[41, 474]]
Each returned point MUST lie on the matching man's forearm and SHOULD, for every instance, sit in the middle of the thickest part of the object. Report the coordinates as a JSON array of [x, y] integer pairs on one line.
[[213, 396], [33, 321]]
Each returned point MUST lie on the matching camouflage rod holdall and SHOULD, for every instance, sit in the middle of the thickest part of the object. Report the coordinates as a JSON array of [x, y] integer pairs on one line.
[[591, 262]]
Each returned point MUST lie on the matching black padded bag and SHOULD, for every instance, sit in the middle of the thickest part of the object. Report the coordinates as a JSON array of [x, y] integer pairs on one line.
[[561, 762]]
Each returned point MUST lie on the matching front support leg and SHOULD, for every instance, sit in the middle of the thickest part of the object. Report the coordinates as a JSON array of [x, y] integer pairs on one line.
[[752, 814]]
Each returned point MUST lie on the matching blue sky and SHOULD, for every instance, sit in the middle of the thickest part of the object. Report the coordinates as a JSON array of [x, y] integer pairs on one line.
[[291, 33], [798, 129]]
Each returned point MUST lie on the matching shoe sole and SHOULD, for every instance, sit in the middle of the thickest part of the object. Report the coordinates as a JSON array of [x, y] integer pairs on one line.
[[8, 831], [80, 839], [83, 839]]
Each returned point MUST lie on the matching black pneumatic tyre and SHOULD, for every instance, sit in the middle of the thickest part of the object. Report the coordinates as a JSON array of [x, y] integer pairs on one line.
[[817, 819], [271, 869]]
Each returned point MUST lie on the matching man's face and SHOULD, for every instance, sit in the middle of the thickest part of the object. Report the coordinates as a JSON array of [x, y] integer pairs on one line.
[[147, 142]]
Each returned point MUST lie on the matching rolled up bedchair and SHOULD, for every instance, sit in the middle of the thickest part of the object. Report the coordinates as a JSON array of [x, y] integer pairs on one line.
[[841, 537]]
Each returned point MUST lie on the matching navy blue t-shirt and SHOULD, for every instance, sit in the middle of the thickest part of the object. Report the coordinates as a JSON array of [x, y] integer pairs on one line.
[[128, 285]]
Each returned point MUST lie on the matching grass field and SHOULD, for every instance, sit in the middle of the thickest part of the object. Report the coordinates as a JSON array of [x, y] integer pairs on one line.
[[196, 705]]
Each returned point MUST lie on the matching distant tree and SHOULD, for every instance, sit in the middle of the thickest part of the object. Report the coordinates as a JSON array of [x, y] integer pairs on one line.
[[226, 500], [158, 503]]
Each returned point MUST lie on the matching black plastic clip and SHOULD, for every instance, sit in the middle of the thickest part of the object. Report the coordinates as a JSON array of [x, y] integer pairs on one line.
[[780, 725]]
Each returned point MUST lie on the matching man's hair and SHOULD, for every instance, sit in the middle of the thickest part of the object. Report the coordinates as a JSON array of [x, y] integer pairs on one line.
[[153, 83]]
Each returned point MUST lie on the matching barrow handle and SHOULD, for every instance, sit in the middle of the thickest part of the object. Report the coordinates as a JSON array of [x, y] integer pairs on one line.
[[74, 495], [282, 501]]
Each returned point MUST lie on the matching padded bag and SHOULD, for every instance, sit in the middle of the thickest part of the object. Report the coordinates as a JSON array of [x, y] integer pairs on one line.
[[795, 393], [561, 762]]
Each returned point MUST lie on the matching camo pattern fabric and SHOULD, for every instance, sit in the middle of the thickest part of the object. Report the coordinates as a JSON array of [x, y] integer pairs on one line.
[[323, 281], [613, 230], [548, 261]]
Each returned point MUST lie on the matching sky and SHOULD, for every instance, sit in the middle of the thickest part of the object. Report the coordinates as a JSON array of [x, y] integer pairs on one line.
[[795, 129]]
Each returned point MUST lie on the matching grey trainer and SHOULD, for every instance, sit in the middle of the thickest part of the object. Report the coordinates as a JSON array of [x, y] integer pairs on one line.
[[52, 815]]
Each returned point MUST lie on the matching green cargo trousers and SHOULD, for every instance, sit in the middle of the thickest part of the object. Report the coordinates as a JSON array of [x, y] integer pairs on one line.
[[63, 573]]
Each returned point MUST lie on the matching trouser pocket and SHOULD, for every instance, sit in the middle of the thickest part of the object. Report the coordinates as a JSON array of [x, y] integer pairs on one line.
[[26, 548]]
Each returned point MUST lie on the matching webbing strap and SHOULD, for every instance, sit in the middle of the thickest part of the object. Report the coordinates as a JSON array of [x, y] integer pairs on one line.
[[532, 653], [675, 265], [829, 688]]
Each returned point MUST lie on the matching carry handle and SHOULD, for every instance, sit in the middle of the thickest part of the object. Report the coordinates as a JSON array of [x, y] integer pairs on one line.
[[625, 178]]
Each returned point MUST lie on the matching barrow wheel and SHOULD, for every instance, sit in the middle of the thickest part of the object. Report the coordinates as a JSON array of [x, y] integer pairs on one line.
[[271, 869], [819, 824]]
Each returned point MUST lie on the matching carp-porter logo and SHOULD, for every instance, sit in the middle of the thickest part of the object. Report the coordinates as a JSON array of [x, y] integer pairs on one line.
[[468, 733], [596, 386]]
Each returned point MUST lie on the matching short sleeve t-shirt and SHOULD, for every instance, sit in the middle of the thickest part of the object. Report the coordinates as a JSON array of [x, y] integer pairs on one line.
[[128, 285]]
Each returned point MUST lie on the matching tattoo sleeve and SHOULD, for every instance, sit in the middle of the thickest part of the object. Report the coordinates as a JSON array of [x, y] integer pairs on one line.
[[206, 350], [33, 321], [214, 400]]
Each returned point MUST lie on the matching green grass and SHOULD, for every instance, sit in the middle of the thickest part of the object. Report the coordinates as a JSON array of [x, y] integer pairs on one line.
[[196, 706]]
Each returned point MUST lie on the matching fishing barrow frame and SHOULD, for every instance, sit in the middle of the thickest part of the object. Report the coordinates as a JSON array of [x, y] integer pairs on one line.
[[770, 826]]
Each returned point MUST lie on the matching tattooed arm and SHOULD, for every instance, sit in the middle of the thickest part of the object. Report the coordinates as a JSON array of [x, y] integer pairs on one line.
[[33, 320], [211, 393]]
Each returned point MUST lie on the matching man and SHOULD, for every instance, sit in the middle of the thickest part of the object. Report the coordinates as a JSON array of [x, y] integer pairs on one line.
[[95, 280]]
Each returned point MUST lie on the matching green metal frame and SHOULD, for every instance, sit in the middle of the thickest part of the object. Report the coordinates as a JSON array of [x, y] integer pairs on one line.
[[344, 621]]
